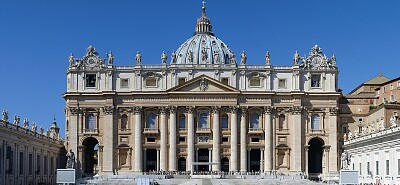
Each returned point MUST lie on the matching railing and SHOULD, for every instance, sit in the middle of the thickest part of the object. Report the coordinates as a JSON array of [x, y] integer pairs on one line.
[[255, 130], [284, 130], [92, 130], [182, 129], [124, 130], [317, 131], [255, 66], [203, 130], [282, 67], [152, 130]]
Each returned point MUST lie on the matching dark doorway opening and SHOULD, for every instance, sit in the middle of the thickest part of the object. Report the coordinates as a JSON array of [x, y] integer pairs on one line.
[[151, 162], [203, 157], [315, 153], [255, 157], [225, 164], [90, 155], [181, 164]]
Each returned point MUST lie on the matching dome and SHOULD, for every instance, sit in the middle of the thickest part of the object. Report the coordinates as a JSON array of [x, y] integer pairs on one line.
[[203, 47]]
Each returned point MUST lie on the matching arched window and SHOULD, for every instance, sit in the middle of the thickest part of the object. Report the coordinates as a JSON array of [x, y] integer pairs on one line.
[[224, 121], [315, 122], [281, 121], [151, 120], [182, 121], [203, 120], [90, 121], [255, 121], [124, 122]]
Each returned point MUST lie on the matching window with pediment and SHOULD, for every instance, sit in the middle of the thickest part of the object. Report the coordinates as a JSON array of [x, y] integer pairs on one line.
[[315, 122], [182, 121], [255, 121], [224, 121], [282, 119], [124, 122], [203, 120], [90, 121], [151, 120], [316, 81]]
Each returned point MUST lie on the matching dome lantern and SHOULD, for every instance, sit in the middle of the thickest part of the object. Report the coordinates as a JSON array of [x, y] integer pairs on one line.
[[203, 25]]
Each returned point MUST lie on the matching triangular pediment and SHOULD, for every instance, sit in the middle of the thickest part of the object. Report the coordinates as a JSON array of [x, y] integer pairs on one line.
[[203, 84]]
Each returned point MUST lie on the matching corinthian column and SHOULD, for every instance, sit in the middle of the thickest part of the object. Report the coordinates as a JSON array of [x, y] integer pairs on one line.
[[172, 139], [138, 139], [243, 141], [109, 142], [297, 147], [163, 142], [216, 141], [234, 128], [268, 140], [190, 144]]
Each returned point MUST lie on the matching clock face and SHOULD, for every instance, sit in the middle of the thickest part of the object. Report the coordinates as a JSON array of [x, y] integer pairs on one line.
[[91, 62], [316, 61]]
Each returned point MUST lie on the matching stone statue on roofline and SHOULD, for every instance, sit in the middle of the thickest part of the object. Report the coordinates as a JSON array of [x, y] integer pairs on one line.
[[393, 121], [5, 116], [16, 120], [164, 57], [110, 58], [232, 58], [216, 57], [26, 123], [138, 58], [173, 57], [243, 58], [296, 58], [71, 60], [267, 58], [34, 127], [41, 130]]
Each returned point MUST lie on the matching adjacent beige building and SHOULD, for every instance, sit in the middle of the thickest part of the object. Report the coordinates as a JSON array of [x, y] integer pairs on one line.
[[206, 110], [29, 156]]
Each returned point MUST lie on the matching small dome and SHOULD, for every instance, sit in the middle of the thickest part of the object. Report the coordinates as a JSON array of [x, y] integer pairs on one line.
[[203, 47]]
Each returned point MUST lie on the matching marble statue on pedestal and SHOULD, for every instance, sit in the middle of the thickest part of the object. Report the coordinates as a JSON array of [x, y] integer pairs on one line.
[[70, 159], [138, 58]]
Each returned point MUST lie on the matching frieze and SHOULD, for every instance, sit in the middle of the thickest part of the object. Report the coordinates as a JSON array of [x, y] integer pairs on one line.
[[108, 109]]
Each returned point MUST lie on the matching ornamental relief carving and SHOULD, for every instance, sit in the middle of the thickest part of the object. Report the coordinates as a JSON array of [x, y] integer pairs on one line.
[[296, 110], [137, 110], [162, 110], [74, 110]]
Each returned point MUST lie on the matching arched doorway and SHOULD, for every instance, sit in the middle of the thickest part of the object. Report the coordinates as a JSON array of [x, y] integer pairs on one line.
[[315, 154], [225, 164], [181, 164], [90, 156]]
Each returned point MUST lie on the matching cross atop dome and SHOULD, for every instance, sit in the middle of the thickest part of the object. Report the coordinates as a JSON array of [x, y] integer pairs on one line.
[[203, 25]]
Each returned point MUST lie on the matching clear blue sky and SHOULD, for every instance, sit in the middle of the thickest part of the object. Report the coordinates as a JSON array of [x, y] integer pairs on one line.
[[36, 38]]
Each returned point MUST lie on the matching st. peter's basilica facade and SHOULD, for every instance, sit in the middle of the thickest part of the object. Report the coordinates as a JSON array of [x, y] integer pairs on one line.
[[203, 109]]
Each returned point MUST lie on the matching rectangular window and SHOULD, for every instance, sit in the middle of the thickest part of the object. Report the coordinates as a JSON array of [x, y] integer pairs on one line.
[[151, 82], [255, 139], [203, 139], [21, 163], [398, 166], [181, 81], [315, 122], [225, 139], [151, 139], [384, 89], [51, 165], [255, 82], [182, 139], [225, 81], [45, 165], [10, 159], [282, 84], [30, 170], [387, 167], [398, 84], [359, 168], [315, 81], [344, 130], [368, 169], [377, 167], [90, 80], [353, 166], [37, 164], [124, 83], [391, 87]]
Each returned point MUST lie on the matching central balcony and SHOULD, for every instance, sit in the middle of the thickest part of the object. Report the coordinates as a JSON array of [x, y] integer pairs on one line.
[[255, 131], [150, 130], [203, 130]]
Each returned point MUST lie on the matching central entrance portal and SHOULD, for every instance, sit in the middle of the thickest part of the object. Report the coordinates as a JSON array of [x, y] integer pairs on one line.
[[151, 163], [203, 156], [255, 157]]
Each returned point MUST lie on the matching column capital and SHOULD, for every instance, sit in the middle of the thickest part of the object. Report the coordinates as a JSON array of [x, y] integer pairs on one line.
[[162, 110], [233, 109], [108, 109], [74, 110], [268, 110], [137, 109], [243, 109], [190, 109], [172, 109], [296, 109], [215, 109], [333, 111]]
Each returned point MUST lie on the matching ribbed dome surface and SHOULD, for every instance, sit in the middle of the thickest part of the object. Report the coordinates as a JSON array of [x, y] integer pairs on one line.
[[203, 47]]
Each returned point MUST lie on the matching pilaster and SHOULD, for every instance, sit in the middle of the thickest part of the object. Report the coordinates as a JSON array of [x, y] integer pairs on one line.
[[108, 155]]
